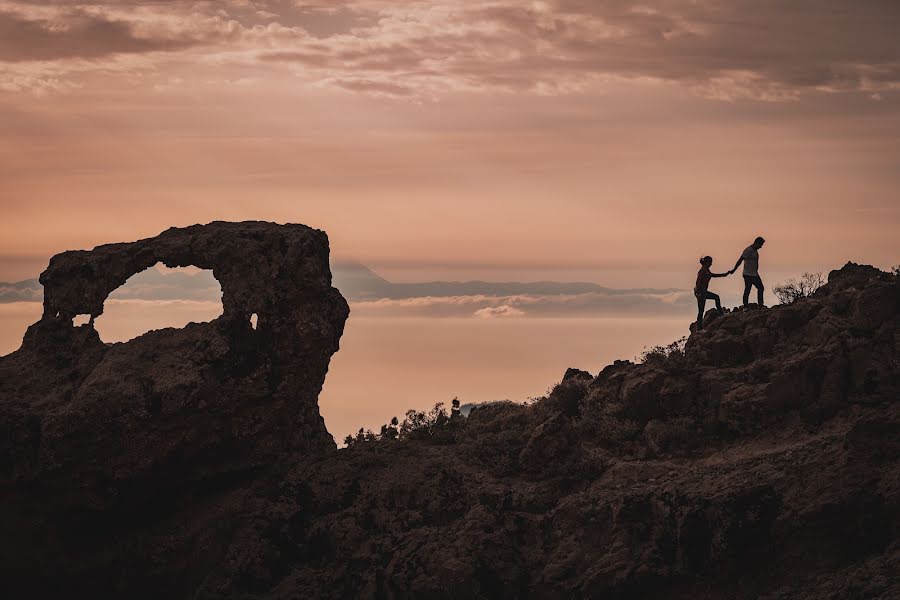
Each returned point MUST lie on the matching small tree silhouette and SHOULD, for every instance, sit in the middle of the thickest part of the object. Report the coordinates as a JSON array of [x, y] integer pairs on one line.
[[389, 432], [671, 357], [794, 289], [436, 425]]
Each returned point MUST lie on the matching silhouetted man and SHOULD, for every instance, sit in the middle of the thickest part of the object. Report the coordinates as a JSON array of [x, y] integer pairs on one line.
[[750, 258]]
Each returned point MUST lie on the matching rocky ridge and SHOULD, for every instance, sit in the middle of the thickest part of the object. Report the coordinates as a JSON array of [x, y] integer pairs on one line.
[[761, 461]]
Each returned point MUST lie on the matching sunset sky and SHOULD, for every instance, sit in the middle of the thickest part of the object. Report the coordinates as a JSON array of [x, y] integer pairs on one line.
[[609, 141]]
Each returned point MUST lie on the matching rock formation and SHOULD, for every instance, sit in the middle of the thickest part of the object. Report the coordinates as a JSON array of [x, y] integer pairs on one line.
[[761, 461], [91, 433]]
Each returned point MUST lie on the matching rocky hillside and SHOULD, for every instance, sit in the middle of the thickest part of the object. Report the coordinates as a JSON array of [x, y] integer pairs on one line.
[[761, 461]]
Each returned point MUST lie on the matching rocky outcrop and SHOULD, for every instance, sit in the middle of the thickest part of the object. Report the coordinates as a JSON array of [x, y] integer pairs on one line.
[[759, 461], [90, 430]]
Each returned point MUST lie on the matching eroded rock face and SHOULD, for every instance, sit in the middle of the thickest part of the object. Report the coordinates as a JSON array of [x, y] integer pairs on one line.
[[91, 428]]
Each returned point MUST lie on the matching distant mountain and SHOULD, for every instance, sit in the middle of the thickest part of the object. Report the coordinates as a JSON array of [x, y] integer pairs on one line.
[[356, 282], [29, 290]]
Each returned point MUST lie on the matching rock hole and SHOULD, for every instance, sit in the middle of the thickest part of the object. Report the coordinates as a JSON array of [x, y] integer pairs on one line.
[[157, 298], [80, 320], [254, 319]]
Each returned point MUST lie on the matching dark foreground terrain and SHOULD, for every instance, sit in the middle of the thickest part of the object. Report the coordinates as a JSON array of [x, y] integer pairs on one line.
[[759, 462]]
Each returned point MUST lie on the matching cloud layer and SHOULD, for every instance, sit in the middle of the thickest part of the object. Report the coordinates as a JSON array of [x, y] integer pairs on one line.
[[761, 49], [372, 296], [556, 306]]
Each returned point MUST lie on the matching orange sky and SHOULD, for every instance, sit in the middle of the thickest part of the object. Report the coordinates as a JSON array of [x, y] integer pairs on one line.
[[608, 141]]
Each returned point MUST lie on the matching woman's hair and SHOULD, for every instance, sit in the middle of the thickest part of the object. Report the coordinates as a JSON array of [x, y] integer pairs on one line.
[[706, 259]]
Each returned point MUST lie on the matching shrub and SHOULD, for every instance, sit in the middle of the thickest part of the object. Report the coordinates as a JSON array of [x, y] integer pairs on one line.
[[419, 424], [567, 395], [895, 270], [794, 289], [389, 432], [495, 434], [670, 357], [435, 424], [363, 435]]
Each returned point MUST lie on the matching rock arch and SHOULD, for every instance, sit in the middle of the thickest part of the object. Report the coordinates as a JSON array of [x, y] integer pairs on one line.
[[227, 397], [262, 267]]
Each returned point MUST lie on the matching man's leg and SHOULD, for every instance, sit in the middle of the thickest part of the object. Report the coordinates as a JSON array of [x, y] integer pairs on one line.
[[760, 288], [747, 285]]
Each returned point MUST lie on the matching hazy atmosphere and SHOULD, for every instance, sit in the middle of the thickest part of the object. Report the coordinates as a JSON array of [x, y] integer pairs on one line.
[[604, 144]]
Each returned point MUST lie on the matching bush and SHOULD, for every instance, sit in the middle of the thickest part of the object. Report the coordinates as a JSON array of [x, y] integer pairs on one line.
[[567, 395], [895, 270], [363, 435], [495, 434], [794, 289], [417, 424], [670, 357]]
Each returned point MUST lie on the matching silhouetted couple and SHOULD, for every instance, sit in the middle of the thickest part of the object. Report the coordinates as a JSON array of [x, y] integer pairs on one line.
[[750, 259]]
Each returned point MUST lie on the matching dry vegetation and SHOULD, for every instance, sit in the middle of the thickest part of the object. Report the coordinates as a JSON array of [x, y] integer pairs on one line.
[[792, 290], [670, 357]]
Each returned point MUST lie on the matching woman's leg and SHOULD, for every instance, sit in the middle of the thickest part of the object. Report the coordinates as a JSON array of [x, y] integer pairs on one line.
[[701, 307], [715, 297]]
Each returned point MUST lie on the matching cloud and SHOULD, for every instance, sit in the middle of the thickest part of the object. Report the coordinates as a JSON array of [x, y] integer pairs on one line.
[[723, 49], [77, 34], [494, 312], [24, 291], [590, 304]]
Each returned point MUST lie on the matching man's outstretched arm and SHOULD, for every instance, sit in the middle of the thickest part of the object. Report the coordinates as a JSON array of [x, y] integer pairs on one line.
[[738, 263]]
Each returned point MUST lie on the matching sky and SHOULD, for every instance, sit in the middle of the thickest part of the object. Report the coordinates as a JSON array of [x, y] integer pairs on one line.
[[608, 142], [613, 142]]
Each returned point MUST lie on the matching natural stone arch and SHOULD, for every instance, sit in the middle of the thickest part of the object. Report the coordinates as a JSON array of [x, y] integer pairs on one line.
[[261, 267], [229, 399]]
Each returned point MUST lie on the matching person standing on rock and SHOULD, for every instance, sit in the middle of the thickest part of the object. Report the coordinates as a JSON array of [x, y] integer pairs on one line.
[[750, 258], [701, 288]]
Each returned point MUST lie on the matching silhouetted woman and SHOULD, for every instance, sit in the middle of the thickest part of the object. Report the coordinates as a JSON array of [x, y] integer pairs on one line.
[[701, 288]]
